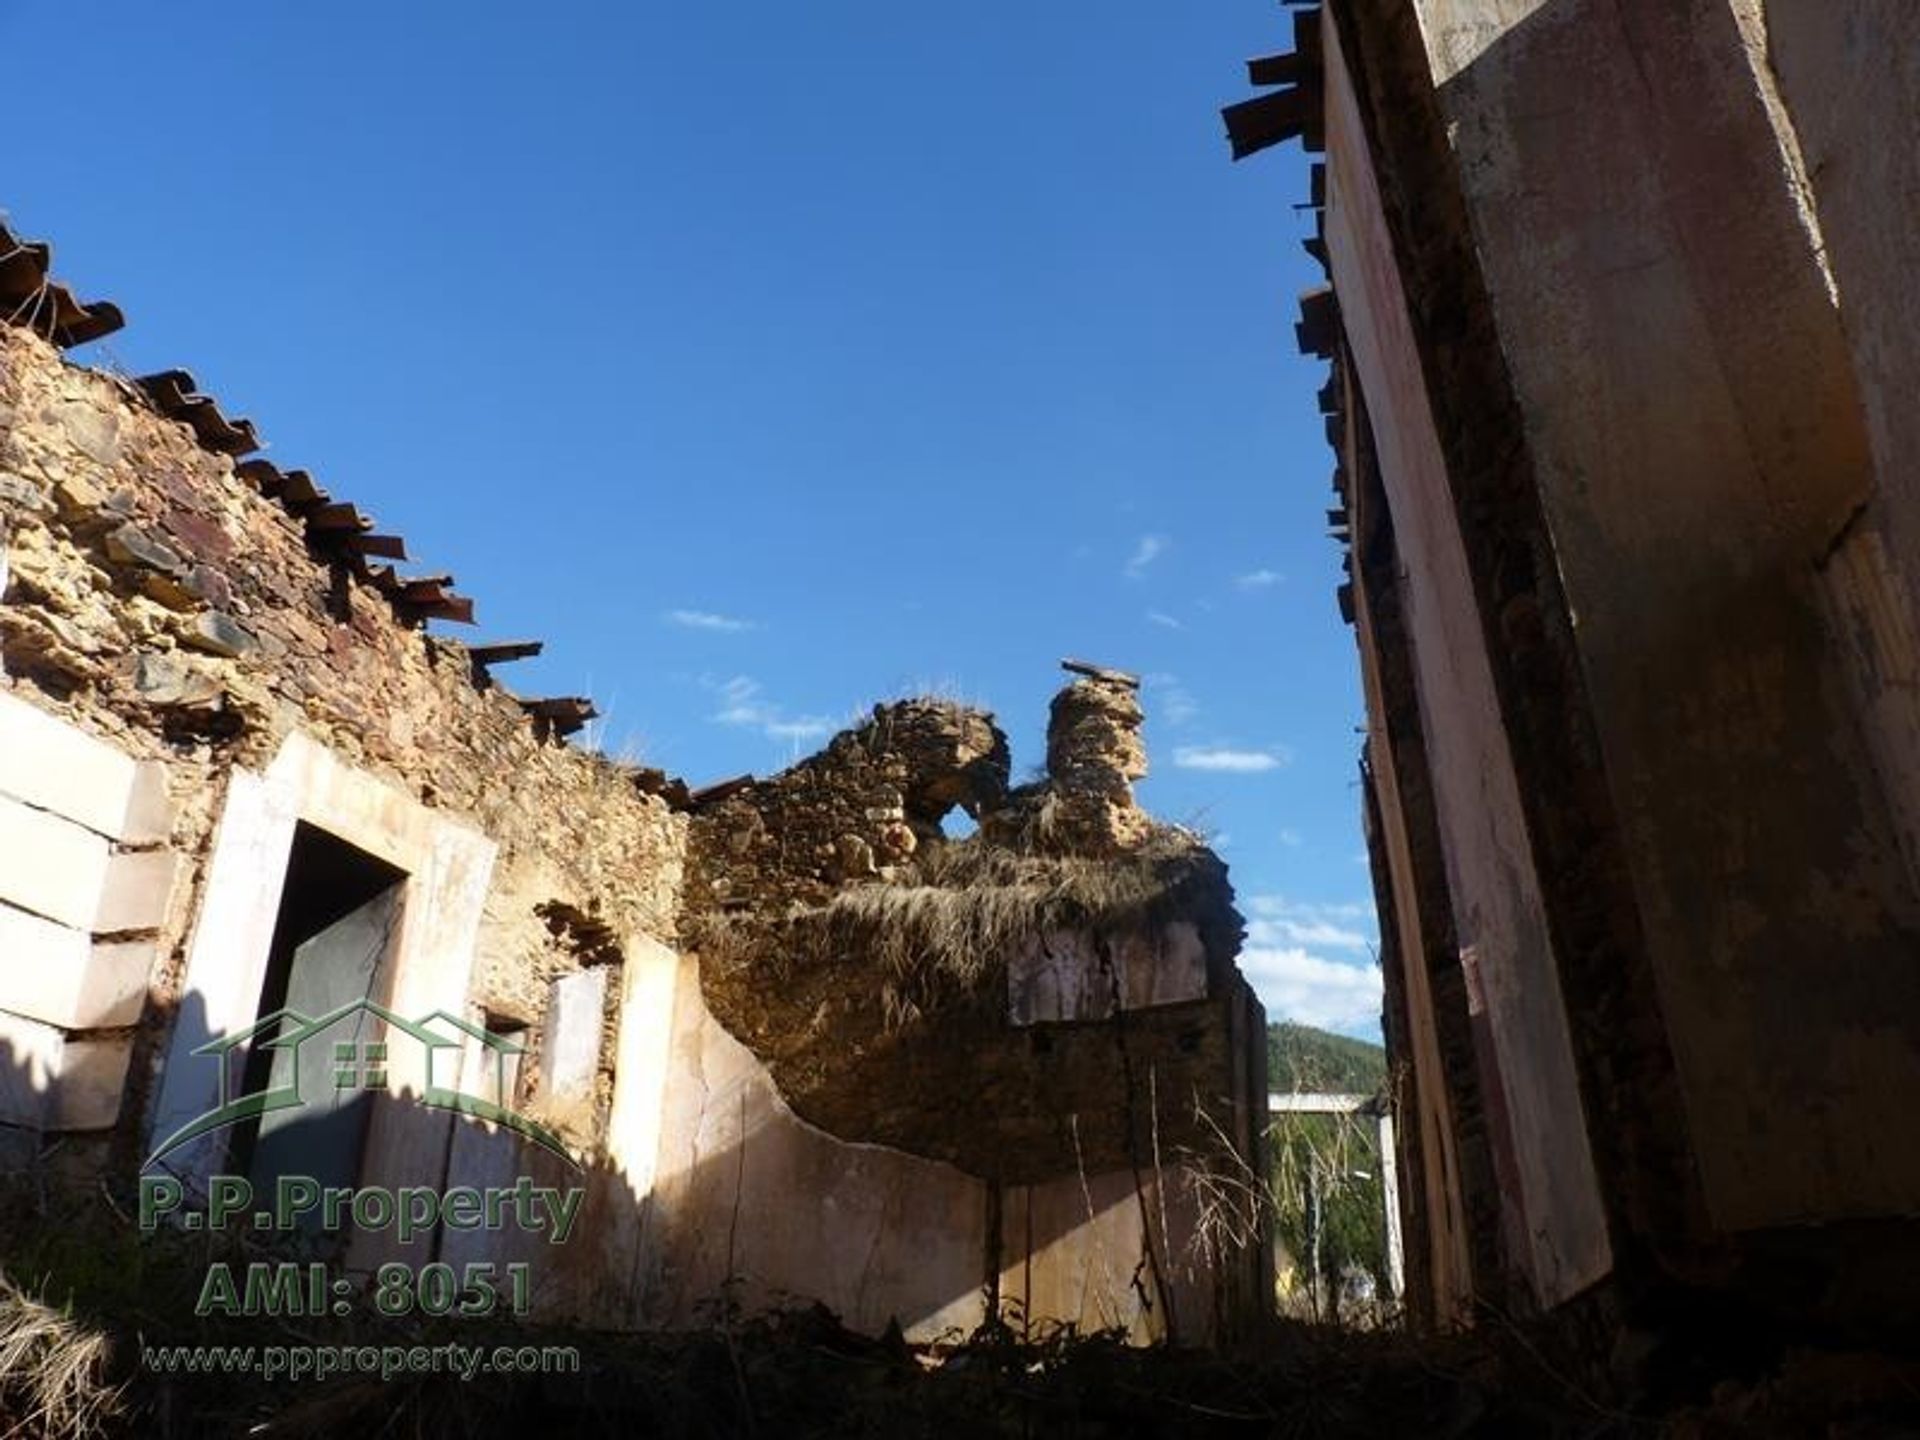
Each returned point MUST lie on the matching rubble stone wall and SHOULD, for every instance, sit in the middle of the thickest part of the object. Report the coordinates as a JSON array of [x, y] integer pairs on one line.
[[892, 979], [220, 660], [154, 600]]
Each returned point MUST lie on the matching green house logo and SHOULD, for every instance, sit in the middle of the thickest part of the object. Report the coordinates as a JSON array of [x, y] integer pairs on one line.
[[358, 1065]]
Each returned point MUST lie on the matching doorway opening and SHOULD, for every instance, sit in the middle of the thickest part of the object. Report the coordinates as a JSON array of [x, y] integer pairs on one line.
[[333, 947]]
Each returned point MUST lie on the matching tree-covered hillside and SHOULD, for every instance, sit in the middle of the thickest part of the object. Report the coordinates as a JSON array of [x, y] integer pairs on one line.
[[1300, 1057]]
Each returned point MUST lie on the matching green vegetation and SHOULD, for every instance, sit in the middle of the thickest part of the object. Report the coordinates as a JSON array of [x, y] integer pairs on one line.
[[1300, 1057], [1329, 1220]]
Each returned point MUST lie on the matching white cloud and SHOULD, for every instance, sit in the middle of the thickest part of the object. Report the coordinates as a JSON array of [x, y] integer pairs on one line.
[[1161, 618], [1258, 579], [742, 704], [1278, 921], [1295, 984], [707, 620], [738, 703], [1150, 549], [1290, 839], [1340, 910], [1219, 757], [1285, 961]]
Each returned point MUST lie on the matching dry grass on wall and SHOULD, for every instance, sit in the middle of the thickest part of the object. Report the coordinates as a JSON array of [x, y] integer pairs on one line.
[[944, 934]]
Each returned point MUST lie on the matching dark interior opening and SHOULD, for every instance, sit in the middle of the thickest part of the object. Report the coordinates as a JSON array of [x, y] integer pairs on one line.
[[327, 881], [514, 1032]]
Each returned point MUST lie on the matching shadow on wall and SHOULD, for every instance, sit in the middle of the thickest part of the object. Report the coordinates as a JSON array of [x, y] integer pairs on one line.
[[1658, 329], [748, 1207]]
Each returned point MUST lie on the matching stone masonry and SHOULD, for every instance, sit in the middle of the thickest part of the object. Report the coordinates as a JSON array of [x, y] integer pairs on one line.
[[785, 1027], [155, 600], [907, 989]]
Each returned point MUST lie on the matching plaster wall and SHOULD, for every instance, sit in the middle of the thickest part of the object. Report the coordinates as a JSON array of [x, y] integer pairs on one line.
[[745, 1191], [1668, 319], [1448, 1266], [1555, 1225], [447, 869]]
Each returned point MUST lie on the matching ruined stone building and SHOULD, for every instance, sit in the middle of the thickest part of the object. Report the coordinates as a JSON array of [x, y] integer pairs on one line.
[[1622, 314], [797, 1044]]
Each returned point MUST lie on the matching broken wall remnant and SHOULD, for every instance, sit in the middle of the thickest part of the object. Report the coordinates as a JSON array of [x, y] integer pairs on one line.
[[234, 758], [1613, 329], [1048, 999], [911, 998], [1094, 754]]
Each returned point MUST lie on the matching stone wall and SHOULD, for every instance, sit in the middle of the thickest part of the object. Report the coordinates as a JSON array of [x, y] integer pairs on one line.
[[751, 1204], [858, 810], [155, 600], [225, 673], [1044, 1017], [925, 993], [1094, 754]]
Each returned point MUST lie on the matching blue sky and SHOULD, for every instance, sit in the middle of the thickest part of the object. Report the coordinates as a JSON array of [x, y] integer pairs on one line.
[[768, 360]]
